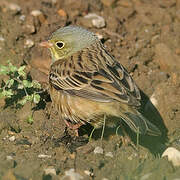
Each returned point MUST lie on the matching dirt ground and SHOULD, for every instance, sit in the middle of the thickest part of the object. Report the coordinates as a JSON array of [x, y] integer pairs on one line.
[[145, 37]]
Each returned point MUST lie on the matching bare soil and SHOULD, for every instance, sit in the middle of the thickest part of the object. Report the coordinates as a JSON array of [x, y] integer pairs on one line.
[[145, 37]]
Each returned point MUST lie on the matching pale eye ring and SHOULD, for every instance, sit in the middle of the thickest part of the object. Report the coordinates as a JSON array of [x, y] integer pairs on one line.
[[60, 44]]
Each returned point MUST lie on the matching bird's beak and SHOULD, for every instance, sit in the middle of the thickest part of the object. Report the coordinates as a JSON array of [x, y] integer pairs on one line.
[[46, 44]]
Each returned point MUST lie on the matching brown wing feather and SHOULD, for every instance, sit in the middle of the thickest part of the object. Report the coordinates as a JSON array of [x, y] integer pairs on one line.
[[103, 82]]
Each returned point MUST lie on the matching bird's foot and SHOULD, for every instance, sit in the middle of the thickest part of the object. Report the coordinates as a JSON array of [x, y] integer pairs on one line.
[[74, 127]]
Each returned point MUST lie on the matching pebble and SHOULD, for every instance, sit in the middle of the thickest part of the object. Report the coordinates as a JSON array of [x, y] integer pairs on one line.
[[98, 150], [28, 43], [173, 155], [100, 36], [40, 15], [44, 156], [97, 21], [9, 157], [153, 100], [2, 39], [54, 1], [62, 13], [22, 18], [12, 138], [30, 29], [14, 7], [109, 154], [72, 175], [50, 170], [89, 173], [36, 13]]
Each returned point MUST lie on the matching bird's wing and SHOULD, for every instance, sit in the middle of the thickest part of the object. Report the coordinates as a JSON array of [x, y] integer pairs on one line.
[[106, 84]]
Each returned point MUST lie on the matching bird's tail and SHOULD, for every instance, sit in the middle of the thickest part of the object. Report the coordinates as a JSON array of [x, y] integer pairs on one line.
[[138, 123]]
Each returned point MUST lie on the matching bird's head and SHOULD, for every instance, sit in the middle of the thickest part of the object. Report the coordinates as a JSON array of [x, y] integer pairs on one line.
[[68, 40]]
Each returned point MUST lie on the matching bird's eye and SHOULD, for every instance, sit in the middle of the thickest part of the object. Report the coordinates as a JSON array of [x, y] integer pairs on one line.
[[60, 44]]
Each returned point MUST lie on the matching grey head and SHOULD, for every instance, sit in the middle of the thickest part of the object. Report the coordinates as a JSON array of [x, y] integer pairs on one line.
[[68, 40]]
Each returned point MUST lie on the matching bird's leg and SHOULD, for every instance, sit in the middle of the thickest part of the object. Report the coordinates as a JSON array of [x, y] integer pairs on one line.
[[90, 136], [73, 126], [103, 128]]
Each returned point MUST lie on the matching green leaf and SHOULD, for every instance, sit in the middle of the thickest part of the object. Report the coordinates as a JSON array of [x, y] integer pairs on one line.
[[29, 97], [10, 82], [4, 70], [22, 102], [36, 84], [12, 67], [7, 93], [27, 83], [1, 93], [30, 119], [21, 71], [36, 98], [20, 86]]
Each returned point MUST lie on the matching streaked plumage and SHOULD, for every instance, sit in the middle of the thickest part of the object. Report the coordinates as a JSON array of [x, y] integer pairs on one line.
[[86, 82]]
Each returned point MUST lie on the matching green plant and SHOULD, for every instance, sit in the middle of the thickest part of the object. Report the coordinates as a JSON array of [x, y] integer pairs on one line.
[[18, 88]]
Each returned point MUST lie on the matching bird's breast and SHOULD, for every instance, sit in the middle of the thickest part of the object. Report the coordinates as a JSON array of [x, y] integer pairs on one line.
[[78, 109]]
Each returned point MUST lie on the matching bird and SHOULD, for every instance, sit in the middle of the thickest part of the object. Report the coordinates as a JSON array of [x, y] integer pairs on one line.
[[88, 84]]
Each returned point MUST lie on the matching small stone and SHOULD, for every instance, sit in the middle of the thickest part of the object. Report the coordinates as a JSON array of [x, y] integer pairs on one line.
[[89, 173], [22, 17], [2, 39], [109, 154], [36, 13], [100, 36], [50, 170], [62, 13], [40, 15], [173, 155], [28, 43], [54, 1], [44, 156], [98, 150], [153, 100], [29, 26], [12, 138], [97, 21], [14, 7], [30, 29], [72, 175], [9, 157]]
